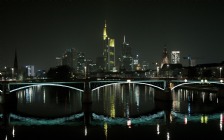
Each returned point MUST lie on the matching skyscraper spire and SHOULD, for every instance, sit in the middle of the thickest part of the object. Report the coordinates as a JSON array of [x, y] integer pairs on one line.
[[105, 31]]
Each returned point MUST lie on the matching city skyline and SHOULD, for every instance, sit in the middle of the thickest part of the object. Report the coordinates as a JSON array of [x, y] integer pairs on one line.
[[42, 30]]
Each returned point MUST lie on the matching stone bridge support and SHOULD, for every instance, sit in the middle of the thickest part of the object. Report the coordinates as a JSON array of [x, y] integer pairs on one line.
[[87, 103]]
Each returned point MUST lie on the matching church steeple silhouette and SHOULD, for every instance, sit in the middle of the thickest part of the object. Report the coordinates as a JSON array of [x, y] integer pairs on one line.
[[15, 66]]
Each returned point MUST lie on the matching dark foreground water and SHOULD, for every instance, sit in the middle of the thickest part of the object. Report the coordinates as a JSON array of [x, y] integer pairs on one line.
[[116, 112]]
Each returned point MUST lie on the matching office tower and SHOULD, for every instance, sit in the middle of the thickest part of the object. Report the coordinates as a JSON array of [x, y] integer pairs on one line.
[[108, 51], [81, 63], [30, 71], [58, 61], [69, 58], [175, 57], [165, 58], [126, 58], [145, 65], [136, 63]]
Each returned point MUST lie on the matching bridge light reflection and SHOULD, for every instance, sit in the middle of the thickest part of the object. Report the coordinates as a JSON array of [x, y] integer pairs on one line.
[[129, 123], [221, 121], [168, 135], [13, 132], [185, 119], [157, 129], [85, 131], [105, 129], [204, 119]]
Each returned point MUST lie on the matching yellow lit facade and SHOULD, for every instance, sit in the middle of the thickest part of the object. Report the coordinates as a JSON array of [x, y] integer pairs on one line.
[[108, 51]]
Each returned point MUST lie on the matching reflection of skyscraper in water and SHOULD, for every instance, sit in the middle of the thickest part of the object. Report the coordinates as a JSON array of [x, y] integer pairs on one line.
[[165, 58]]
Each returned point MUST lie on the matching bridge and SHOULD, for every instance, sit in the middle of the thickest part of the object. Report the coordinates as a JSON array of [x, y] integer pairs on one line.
[[91, 85], [81, 86], [87, 86]]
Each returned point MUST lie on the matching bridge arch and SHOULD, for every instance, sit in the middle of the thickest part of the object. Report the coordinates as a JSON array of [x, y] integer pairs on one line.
[[128, 82], [44, 84], [186, 82]]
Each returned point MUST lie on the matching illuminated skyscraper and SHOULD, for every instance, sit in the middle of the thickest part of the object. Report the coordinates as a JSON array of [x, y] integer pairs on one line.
[[175, 57], [108, 51], [126, 59]]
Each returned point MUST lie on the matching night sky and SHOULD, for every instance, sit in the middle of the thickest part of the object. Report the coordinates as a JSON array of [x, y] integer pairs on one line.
[[41, 30]]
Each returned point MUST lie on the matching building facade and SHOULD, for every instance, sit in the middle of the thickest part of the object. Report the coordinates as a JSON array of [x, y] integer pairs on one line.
[[108, 51]]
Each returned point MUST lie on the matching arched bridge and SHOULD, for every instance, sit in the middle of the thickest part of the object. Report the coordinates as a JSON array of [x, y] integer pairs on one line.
[[177, 83], [161, 84], [14, 86], [81, 86]]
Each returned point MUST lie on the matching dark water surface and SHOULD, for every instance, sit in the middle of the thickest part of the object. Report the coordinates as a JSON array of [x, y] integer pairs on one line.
[[116, 112]]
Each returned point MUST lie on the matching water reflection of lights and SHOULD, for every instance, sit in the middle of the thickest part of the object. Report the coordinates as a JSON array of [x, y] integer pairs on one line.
[[197, 118], [221, 121], [129, 123], [105, 129], [85, 131], [13, 132], [168, 135], [44, 98], [157, 129], [204, 119], [185, 119], [203, 97]]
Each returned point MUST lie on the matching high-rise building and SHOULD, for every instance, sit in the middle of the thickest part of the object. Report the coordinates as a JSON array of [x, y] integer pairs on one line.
[[126, 58], [108, 51], [30, 71], [175, 57], [136, 63], [58, 61], [81, 63], [165, 58], [69, 58]]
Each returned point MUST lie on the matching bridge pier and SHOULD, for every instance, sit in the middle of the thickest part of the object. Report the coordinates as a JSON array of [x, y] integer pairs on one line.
[[163, 95], [87, 97], [87, 103], [6, 97]]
